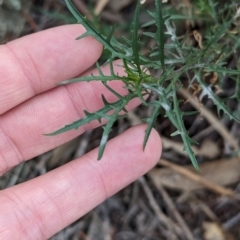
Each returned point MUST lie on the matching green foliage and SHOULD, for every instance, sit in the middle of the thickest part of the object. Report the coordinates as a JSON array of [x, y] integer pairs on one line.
[[173, 57]]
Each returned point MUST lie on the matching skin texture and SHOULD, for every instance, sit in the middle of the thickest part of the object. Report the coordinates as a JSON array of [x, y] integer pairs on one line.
[[30, 105]]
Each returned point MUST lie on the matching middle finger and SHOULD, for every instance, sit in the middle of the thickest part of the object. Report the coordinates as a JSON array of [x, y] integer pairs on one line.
[[22, 128]]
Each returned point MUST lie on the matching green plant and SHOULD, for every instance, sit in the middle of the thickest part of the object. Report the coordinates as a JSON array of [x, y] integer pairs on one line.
[[173, 57]]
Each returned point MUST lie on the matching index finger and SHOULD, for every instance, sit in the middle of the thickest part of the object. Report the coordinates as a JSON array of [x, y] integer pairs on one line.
[[35, 63]]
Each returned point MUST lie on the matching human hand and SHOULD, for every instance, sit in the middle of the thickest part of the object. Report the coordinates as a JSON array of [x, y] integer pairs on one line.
[[30, 105]]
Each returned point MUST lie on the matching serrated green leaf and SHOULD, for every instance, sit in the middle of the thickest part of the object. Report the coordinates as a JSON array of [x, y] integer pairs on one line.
[[91, 31], [175, 60], [111, 120], [207, 90], [165, 18], [160, 32], [103, 79], [223, 70], [75, 125], [186, 139], [151, 121], [89, 117], [175, 116], [135, 43]]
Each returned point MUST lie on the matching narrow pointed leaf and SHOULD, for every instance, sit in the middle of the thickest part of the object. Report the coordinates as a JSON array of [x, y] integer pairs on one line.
[[175, 133], [135, 44], [186, 139], [151, 121], [86, 34], [89, 117], [160, 32], [217, 101], [91, 31], [108, 127]]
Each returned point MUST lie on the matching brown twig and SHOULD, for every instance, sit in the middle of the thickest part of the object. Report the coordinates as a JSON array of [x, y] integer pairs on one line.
[[100, 6], [163, 219], [196, 177], [217, 125], [174, 210]]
